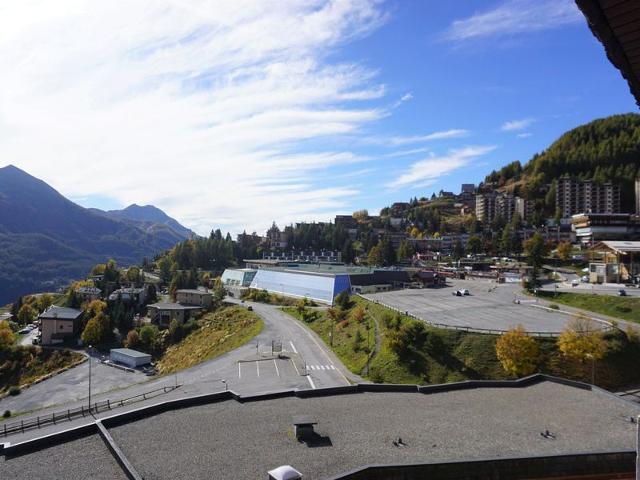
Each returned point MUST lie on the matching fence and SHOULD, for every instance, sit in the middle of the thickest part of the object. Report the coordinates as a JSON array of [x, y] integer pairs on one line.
[[70, 414]]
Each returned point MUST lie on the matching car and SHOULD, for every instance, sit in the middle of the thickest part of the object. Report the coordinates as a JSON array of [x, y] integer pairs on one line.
[[465, 291], [575, 282], [250, 308], [461, 292], [585, 278], [24, 330], [622, 292], [35, 341]]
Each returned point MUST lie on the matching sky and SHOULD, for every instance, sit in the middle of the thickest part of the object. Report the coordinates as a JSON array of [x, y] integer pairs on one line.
[[234, 114]]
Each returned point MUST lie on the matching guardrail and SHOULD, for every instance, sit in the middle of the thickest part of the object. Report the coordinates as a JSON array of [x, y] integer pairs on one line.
[[71, 413], [486, 331]]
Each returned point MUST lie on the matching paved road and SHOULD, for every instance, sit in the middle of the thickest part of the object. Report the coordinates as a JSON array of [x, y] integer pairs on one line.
[[490, 306], [608, 289], [28, 338], [247, 370]]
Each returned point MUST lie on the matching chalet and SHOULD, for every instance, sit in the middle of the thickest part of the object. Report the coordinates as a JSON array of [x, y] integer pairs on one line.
[[57, 324], [615, 262], [199, 298], [89, 294], [129, 295], [163, 313]]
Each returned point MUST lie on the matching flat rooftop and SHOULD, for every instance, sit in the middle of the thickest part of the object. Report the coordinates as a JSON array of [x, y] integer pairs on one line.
[[78, 459], [244, 440]]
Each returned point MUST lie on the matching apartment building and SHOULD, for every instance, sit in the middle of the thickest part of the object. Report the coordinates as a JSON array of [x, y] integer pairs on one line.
[[586, 196]]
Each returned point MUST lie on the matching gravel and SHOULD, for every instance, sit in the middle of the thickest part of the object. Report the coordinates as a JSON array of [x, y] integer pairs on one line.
[[78, 459], [244, 441]]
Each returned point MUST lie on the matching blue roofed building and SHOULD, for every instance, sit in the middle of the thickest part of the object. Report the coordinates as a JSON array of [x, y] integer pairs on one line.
[[319, 286]]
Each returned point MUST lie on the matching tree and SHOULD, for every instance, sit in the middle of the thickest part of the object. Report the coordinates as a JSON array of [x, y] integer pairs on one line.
[[348, 252], [149, 337], [97, 330], [133, 339], [375, 257], [342, 300], [535, 249], [7, 338], [582, 339], [564, 250], [175, 331], [405, 250], [44, 301], [409, 337], [474, 245], [458, 250], [27, 314], [358, 314], [518, 353]]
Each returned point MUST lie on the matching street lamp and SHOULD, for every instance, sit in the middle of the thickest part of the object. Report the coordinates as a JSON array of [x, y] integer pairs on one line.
[[593, 367], [89, 351]]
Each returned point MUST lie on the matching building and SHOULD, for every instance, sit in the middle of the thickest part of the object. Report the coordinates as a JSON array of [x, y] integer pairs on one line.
[[304, 256], [593, 227], [468, 188], [346, 221], [57, 324], [615, 262], [130, 358], [133, 295], [486, 207], [199, 298], [238, 277], [378, 280], [163, 313], [88, 294], [586, 196], [319, 286], [276, 238], [525, 208]]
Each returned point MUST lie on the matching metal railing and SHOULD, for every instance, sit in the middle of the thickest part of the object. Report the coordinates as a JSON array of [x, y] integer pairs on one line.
[[7, 428]]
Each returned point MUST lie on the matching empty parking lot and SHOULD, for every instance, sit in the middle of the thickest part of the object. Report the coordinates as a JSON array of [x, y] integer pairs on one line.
[[490, 306]]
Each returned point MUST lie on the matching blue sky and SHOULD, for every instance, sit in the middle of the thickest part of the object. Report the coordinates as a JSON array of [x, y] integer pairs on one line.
[[234, 114]]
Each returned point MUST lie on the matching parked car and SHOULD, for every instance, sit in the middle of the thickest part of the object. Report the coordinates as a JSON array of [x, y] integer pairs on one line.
[[575, 282], [585, 278], [24, 330], [461, 292], [250, 308], [622, 292], [35, 341]]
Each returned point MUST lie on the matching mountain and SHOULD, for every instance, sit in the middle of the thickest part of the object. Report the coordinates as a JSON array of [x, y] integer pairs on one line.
[[604, 150], [150, 216], [46, 240]]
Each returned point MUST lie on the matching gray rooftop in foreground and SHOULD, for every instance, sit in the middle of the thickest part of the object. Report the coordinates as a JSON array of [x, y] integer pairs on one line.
[[79, 459], [244, 440]]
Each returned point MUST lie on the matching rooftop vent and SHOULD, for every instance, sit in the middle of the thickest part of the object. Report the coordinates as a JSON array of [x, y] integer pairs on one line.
[[285, 472]]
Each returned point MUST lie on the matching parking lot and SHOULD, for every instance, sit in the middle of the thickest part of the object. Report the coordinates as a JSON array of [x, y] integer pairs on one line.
[[489, 306]]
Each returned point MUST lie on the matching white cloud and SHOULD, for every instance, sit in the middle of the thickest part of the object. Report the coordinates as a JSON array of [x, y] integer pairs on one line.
[[515, 17], [428, 171], [200, 108], [516, 124], [524, 135], [445, 134]]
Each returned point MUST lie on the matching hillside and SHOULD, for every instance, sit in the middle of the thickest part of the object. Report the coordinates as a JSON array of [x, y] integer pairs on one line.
[[152, 218], [46, 240], [604, 150]]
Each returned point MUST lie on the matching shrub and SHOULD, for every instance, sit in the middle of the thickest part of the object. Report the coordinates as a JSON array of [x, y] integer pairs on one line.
[[517, 352], [14, 390], [554, 306], [6, 414]]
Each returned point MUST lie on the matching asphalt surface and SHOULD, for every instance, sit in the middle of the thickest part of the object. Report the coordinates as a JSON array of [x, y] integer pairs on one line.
[[490, 306], [245, 440], [252, 368]]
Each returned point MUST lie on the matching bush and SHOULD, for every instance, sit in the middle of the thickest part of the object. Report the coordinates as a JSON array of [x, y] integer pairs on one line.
[[6, 414], [14, 390], [554, 306]]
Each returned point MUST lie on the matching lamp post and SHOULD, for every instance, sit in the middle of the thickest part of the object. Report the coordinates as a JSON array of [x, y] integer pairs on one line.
[[89, 351]]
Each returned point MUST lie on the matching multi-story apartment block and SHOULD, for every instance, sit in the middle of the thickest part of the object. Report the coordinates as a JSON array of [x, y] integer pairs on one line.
[[585, 196], [492, 205], [486, 207]]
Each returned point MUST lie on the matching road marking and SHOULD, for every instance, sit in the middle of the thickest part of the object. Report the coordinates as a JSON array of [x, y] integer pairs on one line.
[[294, 366], [323, 367], [276, 365], [332, 367], [294, 347], [311, 382], [239, 370], [258, 368]]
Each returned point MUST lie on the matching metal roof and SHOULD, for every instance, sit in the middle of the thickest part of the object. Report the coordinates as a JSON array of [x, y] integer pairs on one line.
[[172, 306], [60, 313], [620, 246], [193, 290], [130, 353]]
